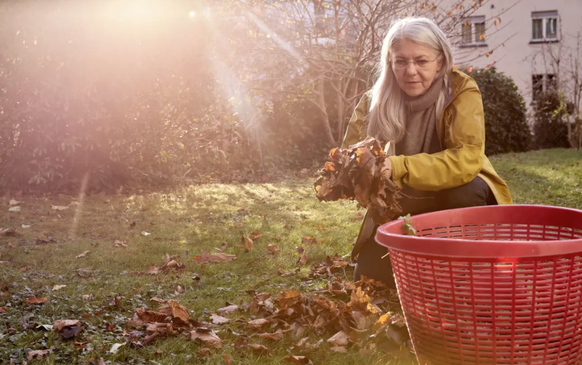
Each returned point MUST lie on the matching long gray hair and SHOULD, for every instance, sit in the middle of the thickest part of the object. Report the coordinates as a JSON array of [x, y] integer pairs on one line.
[[386, 120]]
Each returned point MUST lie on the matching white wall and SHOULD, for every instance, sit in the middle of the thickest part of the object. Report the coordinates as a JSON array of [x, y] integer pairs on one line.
[[519, 59]]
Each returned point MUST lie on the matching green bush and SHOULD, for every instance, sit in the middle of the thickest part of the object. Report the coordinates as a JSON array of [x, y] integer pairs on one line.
[[550, 131], [506, 127]]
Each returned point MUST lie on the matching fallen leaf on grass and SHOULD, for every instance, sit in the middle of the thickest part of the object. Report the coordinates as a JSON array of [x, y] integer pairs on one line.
[[275, 336], [38, 354], [255, 235], [84, 273], [227, 310], [259, 349], [274, 249], [14, 209], [227, 359], [303, 260], [59, 207], [257, 323], [116, 347], [120, 243], [144, 233], [204, 351], [147, 315], [82, 254], [60, 324], [35, 300], [339, 339], [9, 232], [301, 360], [13, 202], [216, 319], [40, 241], [247, 243], [207, 337], [25, 226], [176, 310], [312, 240], [213, 258]]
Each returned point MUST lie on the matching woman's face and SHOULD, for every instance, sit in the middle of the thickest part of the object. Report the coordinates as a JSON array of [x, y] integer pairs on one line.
[[414, 78]]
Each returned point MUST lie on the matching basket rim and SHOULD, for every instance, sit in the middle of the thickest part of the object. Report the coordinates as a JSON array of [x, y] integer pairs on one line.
[[391, 235]]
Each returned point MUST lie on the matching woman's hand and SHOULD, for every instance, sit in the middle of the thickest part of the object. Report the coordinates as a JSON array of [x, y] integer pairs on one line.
[[386, 170]]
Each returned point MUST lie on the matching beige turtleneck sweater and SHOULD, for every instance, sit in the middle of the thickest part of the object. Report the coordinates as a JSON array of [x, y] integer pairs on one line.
[[421, 123]]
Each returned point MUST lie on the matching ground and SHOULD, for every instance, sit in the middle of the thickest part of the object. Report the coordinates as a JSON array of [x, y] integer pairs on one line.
[[125, 235]]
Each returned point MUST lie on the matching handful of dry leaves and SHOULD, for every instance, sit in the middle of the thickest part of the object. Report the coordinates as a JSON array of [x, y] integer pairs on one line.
[[356, 173]]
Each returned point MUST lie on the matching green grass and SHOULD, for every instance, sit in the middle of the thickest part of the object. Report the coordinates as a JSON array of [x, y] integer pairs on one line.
[[188, 222]]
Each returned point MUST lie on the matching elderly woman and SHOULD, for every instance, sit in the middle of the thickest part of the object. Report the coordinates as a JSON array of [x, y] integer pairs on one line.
[[432, 115]]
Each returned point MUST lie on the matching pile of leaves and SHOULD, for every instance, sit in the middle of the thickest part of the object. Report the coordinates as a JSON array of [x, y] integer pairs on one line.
[[357, 173], [348, 314]]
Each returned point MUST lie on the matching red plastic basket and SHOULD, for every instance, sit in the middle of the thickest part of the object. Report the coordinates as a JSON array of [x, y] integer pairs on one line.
[[491, 285]]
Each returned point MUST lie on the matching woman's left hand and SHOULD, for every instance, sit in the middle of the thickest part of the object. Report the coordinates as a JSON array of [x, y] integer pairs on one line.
[[386, 170]]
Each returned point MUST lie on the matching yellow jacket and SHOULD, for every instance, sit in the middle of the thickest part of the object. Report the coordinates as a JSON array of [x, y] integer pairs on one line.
[[461, 132]]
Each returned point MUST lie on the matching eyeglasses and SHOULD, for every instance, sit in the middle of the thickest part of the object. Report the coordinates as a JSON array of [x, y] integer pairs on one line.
[[401, 63]]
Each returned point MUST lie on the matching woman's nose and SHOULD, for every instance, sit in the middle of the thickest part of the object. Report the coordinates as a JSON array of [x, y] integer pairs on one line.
[[411, 68]]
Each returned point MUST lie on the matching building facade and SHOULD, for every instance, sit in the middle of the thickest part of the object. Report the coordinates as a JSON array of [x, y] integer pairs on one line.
[[532, 41]]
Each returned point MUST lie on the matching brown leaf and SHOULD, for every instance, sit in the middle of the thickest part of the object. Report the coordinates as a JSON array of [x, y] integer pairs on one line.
[[299, 249], [214, 258], [120, 243], [247, 243], [204, 352], [303, 260], [227, 310], [83, 254], [274, 249], [3, 309], [275, 336], [60, 324], [227, 359], [38, 354], [216, 319], [35, 300], [255, 235], [339, 339], [221, 257], [100, 361], [300, 360], [382, 321], [257, 323], [153, 270], [158, 300], [150, 316], [259, 349], [208, 338], [312, 240], [174, 309]]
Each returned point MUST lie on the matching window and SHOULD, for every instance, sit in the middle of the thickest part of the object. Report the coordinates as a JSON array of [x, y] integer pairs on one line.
[[541, 83], [473, 31], [544, 26]]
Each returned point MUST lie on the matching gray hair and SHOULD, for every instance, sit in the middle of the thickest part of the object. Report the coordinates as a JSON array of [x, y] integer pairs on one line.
[[386, 120]]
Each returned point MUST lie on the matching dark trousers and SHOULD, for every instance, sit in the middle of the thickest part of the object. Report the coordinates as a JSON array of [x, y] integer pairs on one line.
[[370, 262]]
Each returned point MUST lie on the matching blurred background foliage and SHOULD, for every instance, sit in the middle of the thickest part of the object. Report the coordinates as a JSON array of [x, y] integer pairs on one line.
[[114, 93]]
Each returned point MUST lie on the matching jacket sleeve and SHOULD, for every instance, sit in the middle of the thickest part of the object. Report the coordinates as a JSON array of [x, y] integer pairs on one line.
[[461, 161], [356, 127]]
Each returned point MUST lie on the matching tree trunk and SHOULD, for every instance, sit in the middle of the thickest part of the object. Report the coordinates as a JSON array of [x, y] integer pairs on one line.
[[327, 134]]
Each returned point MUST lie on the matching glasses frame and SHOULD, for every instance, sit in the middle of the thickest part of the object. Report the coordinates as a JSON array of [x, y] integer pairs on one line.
[[413, 62]]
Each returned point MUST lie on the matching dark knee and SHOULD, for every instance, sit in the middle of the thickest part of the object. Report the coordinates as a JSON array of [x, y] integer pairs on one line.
[[472, 194]]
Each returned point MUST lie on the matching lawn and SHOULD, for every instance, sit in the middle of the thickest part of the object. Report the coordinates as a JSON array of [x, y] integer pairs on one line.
[[125, 235]]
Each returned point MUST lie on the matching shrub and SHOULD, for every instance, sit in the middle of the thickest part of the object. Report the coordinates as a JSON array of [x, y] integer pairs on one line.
[[550, 131], [506, 127]]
